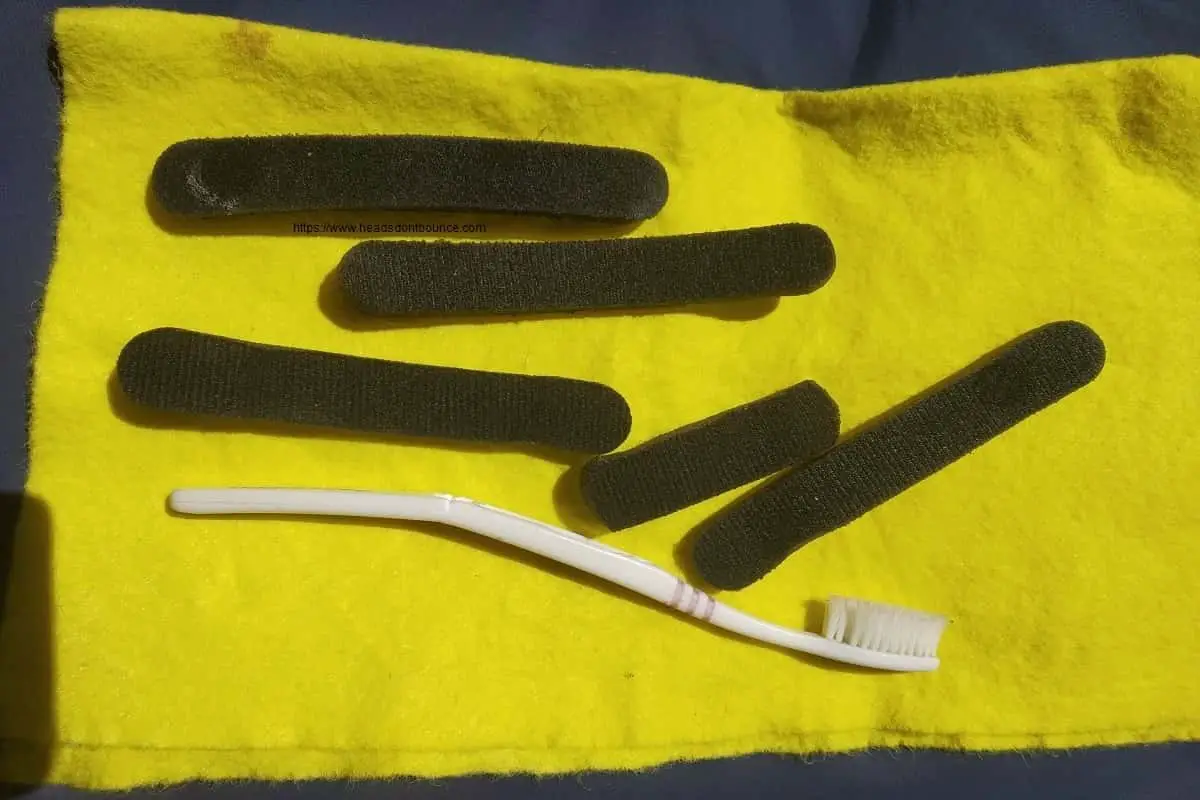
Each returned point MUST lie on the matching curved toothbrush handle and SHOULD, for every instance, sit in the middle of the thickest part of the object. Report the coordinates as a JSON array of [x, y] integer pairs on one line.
[[318, 502], [563, 546]]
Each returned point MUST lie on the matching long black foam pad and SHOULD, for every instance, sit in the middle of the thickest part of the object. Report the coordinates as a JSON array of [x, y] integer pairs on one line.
[[711, 456], [751, 537], [405, 278], [253, 175], [196, 373]]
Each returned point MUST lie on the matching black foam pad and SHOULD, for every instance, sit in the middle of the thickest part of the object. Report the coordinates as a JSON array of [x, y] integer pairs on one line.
[[405, 278], [224, 177], [196, 373], [714, 455], [751, 537]]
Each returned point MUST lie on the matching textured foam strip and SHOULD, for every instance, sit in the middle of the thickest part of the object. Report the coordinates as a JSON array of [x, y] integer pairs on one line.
[[751, 537], [418, 278], [196, 373], [224, 177], [714, 455]]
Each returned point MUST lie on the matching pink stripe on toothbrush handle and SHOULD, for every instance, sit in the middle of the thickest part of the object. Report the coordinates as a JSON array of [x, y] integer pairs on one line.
[[678, 595], [692, 601], [697, 599]]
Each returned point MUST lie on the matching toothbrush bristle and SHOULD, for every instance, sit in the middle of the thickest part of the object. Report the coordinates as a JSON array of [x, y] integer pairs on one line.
[[882, 627]]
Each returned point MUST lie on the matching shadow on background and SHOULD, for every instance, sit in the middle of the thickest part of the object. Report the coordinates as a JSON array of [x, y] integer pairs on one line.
[[500, 550], [27, 714], [571, 506]]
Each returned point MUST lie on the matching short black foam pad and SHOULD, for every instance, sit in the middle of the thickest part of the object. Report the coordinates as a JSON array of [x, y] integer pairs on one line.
[[751, 537], [253, 175], [197, 373], [714, 455], [405, 278]]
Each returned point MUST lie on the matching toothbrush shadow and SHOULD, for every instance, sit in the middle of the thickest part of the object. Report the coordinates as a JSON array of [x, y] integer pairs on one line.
[[333, 305], [499, 550], [144, 417], [575, 514]]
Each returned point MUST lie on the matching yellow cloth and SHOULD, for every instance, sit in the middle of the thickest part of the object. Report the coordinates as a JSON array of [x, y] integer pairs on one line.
[[965, 212]]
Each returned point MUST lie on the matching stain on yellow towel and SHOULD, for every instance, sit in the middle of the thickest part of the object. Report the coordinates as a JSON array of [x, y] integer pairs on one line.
[[965, 212]]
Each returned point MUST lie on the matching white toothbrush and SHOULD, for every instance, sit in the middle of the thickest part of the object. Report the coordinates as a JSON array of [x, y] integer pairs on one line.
[[856, 631]]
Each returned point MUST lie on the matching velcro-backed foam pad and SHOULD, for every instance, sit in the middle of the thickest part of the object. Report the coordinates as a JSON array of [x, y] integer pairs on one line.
[[751, 537], [405, 278], [252, 175], [711, 456], [196, 373]]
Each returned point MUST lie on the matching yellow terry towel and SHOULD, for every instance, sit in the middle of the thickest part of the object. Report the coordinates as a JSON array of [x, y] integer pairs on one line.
[[965, 212]]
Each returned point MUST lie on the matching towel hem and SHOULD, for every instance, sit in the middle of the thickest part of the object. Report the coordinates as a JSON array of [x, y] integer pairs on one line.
[[101, 766]]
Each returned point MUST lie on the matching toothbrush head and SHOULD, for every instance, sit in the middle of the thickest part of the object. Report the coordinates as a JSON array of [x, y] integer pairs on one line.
[[883, 628]]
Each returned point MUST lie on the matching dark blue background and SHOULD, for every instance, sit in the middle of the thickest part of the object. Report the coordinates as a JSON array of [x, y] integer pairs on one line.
[[823, 44]]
